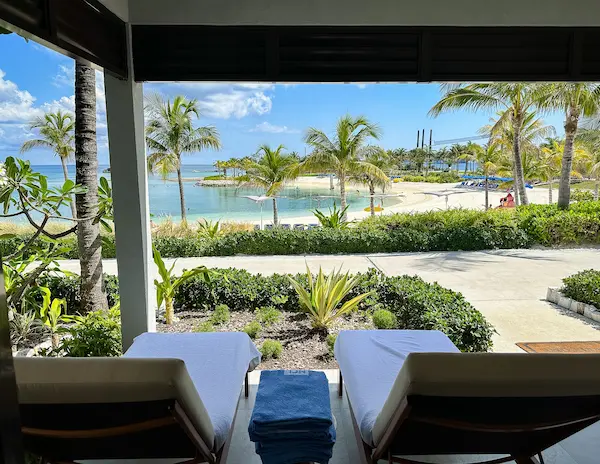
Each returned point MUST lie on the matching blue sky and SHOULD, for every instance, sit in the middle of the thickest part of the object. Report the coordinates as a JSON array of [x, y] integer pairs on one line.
[[34, 80]]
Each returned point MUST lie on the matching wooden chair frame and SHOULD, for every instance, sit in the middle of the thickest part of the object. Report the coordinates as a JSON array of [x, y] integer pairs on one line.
[[413, 426], [173, 420]]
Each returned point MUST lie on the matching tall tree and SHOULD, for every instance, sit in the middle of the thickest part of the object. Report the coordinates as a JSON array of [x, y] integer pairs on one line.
[[89, 241], [515, 98], [270, 172], [379, 158], [56, 133], [170, 133], [577, 100], [590, 138], [340, 154], [487, 157], [533, 130], [549, 166]]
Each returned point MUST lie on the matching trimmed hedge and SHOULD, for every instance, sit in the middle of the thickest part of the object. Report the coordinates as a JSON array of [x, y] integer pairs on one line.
[[69, 287], [452, 230], [583, 287], [415, 303]]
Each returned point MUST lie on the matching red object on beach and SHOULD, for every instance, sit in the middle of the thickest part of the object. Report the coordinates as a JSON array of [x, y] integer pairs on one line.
[[507, 202]]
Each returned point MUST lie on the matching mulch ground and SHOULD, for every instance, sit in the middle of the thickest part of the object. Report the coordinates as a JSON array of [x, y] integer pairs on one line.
[[303, 346]]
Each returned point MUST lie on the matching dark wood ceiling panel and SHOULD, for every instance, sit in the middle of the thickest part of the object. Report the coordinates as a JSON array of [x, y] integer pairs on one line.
[[347, 54], [82, 29]]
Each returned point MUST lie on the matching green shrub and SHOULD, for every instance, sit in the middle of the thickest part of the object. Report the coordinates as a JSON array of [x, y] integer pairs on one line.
[[268, 315], [437, 178], [384, 319], [270, 349], [96, 334], [582, 195], [423, 306], [206, 326], [583, 287], [68, 288], [220, 315], [330, 340], [253, 329]]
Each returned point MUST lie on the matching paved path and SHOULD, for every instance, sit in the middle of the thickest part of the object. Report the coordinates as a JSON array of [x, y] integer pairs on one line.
[[507, 286]]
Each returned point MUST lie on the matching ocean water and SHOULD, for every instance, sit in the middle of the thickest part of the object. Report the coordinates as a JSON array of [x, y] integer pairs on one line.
[[222, 203]]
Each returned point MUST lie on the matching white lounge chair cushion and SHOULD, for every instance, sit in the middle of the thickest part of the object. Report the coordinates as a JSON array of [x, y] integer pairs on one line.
[[217, 363], [370, 361], [111, 380], [490, 375]]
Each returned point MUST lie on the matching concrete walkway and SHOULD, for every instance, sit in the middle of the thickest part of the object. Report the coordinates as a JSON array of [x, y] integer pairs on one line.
[[507, 286]]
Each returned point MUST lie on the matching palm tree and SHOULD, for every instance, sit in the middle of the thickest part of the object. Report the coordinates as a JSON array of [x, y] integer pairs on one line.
[[56, 133], [170, 133], [576, 99], [590, 138], [89, 241], [271, 172], [469, 154], [487, 157], [515, 98], [550, 164], [341, 155], [533, 129], [379, 158]]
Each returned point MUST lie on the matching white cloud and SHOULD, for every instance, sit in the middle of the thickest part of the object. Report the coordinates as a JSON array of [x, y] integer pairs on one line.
[[222, 100], [15, 105], [273, 129]]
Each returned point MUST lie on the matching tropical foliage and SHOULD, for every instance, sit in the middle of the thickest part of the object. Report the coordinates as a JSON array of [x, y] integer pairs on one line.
[[170, 133], [323, 300], [343, 154], [335, 220]]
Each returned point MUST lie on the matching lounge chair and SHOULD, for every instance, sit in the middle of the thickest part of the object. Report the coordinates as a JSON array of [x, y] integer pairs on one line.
[[313, 226], [285, 226], [412, 393], [268, 226], [298, 226], [169, 396], [256, 226]]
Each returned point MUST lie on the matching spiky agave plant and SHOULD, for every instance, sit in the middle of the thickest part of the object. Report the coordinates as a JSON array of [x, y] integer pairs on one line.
[[336, 218], [323, 300]]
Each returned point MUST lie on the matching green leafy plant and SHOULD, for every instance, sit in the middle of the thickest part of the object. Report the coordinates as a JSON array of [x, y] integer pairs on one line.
[[336, 218], [270, 349], [209, 229], [166, 287], [582, 195], [583, 287], [268, 315], [98, 333], [324, 299], [53, 313], [206, 326], [252, 329], [220, 315], [25, 329], [330, 340], [384, 319]]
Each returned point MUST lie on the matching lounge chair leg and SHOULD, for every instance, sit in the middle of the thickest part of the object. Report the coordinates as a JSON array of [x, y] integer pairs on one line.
[[246, 386], [341, 385]]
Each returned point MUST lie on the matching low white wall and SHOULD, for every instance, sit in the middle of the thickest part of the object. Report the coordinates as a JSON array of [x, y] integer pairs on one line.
[[587, 310]]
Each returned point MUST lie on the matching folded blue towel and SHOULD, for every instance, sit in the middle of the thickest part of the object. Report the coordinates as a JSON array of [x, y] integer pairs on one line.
[[294, 451], [290, 404], [291, 421]]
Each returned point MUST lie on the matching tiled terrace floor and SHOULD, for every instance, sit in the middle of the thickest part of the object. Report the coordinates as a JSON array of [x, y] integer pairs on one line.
[[582, 448]]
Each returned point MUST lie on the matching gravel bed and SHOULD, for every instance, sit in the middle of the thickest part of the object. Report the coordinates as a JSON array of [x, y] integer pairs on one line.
[[303, 346]]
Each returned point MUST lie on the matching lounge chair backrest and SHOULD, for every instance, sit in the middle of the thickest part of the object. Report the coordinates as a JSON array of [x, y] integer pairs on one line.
[[490, 375], [111, 380]]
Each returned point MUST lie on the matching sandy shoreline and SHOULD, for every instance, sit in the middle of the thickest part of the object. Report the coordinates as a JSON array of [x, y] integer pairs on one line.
[[417, 198]]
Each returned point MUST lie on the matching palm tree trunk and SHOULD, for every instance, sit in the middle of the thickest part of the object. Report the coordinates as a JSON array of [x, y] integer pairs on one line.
[[331, 186], [596, 189], [275, 213], [564, 186], [550, 192], [515, 186], [519, 162], [372, 198], [181, 195], [487, 193], [169, 311], [89, 241], [466, 166], [63, 161], [342, 181]]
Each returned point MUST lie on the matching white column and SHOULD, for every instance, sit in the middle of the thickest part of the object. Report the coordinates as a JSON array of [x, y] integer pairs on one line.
[[125, 118]]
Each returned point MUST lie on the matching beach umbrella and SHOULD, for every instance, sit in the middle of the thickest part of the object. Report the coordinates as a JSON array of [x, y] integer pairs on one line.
[[259, 199], [445, 194]]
